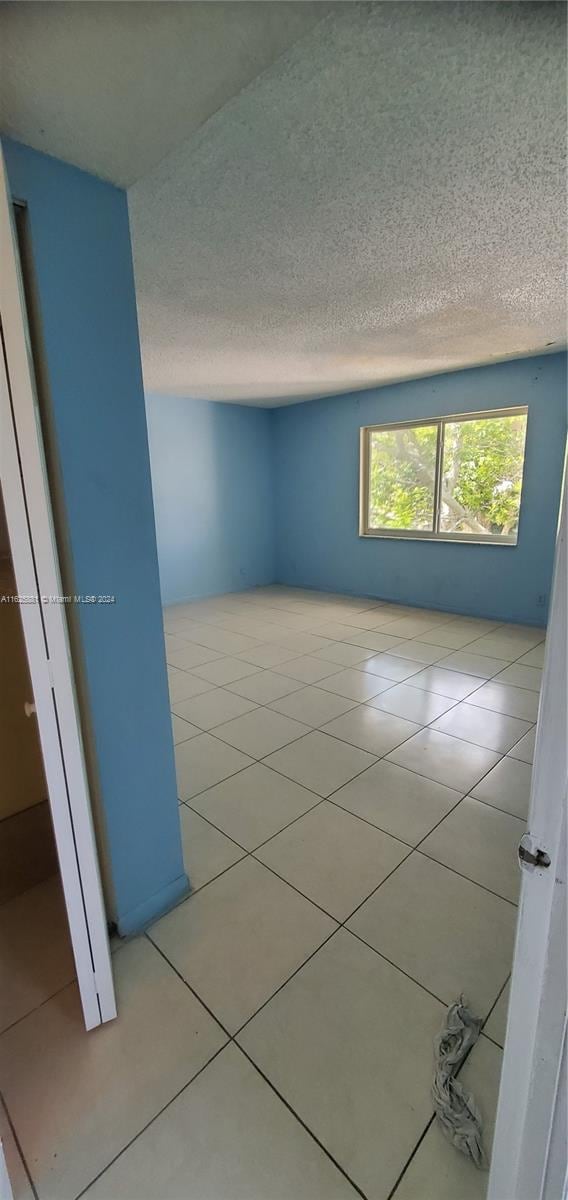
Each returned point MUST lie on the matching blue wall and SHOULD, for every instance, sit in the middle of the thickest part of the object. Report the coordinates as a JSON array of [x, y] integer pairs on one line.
[[213, 480], [317, 482], [83, 272]]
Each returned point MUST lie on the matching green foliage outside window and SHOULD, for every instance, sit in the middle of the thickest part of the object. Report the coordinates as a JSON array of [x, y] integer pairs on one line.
[[482, 470]]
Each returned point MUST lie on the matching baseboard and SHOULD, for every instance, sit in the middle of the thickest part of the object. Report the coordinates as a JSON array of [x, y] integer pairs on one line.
[[138, 919]]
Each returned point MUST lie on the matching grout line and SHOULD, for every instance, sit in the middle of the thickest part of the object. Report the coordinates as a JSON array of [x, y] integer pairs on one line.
[[488, 1038], [340, 924], [492, 1010], [364, 769], [151, 1121], [233, 1037], [41, 1004], [191, 988], [462, 1065], [232, 1040], [471, 796], [306, 1127], [18, 1146], [409, 1160], [498, 895], [296, 971], [319, 800]]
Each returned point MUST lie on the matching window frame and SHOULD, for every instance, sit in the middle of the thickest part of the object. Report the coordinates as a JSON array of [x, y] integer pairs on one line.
[[434, 534]]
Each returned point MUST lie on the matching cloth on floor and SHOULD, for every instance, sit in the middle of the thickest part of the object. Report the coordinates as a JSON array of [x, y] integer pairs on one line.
[[454, 1105]]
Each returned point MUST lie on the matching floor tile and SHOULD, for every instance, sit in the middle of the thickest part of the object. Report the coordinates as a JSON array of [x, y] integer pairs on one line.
[[445, 759], [192, 656], [205, 761], [206, 852], [482, 726], [173, 644], [293, 630], [28, 854], [212, 708], [371, 730], [376, 620], [255, 804], [411, 627], [225, 670], [227, 1137], [481, 843], [313, 706], [507, 787], [454, 636], [391, 667], [525, 748], [331, 1041], [183, 730], [376, 641], [438, 1171], [332, 857], [240, 938], [265, 686], [321, 763], [419, 652], [521, 676], [17, 1174], [500, 697], [260, 630], [446, 683], [355, 685], [344, 655], [97, 1091], [468, 663], [36, 959], [302, 643], [267, 655], [308, 669], [505, 643], [337, 632], [372, 619], [412, 703], [534, 658], [400, 802], [223, 641], [435, 925], [496, 1026], [260, 732], [185, 685]]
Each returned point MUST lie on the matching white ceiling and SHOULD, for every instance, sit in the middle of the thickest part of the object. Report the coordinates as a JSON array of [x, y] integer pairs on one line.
[[384, 198], [113, 87]]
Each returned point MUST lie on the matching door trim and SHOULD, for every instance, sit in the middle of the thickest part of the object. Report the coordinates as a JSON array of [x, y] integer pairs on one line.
[[529, 1092], [32, 539]]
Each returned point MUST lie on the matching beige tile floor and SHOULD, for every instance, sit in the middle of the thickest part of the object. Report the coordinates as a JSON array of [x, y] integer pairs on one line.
[[353, 781]]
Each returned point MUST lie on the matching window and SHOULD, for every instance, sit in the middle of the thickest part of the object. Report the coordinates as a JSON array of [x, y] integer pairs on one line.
[[455, 478]]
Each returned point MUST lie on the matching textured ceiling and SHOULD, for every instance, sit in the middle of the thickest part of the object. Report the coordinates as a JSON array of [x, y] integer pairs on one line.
[[113, 87], [386, 200]]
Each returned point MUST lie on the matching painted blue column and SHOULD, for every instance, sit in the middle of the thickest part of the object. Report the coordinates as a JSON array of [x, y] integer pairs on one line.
[[85, 291]]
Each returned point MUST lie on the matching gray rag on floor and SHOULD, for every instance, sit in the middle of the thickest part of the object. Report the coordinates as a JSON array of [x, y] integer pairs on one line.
[[455, 1107]]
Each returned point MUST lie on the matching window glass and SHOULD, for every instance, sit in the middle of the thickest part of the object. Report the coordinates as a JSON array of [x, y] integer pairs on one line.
[[402, 471], [482, 475], [455, 478]]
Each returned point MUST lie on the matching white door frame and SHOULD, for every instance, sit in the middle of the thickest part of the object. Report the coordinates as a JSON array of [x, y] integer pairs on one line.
[[34, 553], [527, 1151]]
